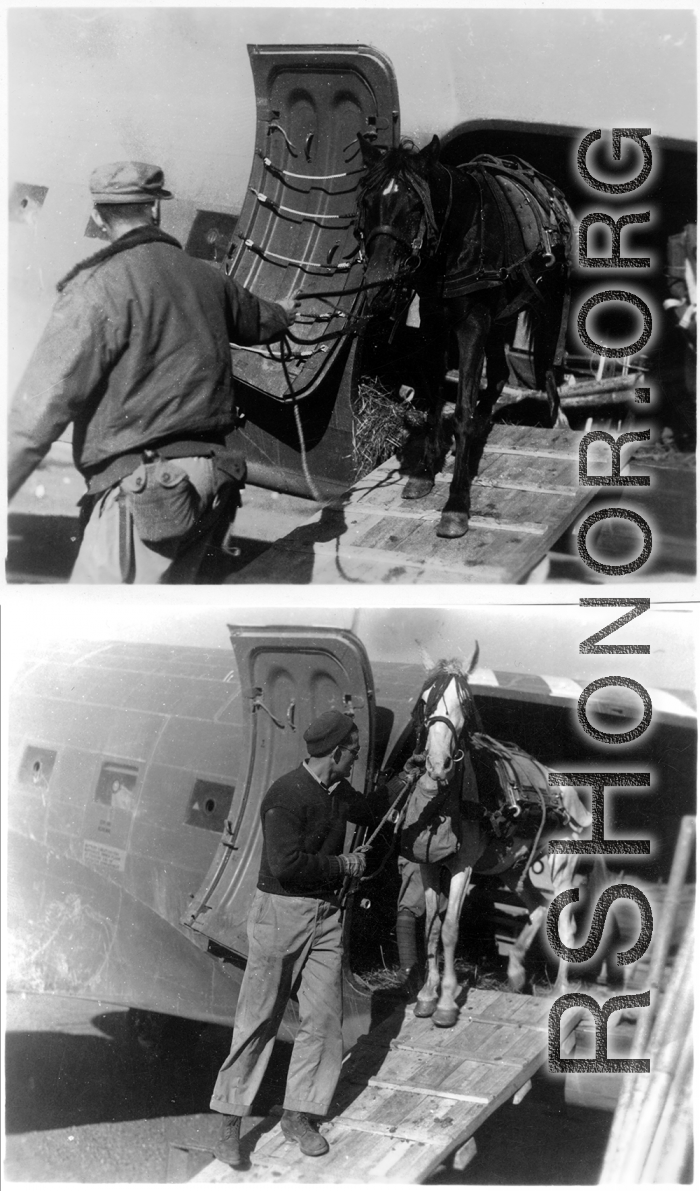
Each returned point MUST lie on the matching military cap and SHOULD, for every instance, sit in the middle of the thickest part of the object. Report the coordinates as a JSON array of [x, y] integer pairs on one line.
[[127, 182], [329, 730]]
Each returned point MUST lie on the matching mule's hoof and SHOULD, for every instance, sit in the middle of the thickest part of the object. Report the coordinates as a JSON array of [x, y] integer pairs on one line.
[[453, 525], [425, 1008], [445, 1017], [416, 487]]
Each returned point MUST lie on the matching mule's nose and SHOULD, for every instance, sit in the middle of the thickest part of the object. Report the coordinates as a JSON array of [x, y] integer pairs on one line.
[[440, 768]]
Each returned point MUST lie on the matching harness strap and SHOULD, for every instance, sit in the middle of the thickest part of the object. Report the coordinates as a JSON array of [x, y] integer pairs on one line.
[[442, 719], [563, 326], [519, 170], [127, 559]]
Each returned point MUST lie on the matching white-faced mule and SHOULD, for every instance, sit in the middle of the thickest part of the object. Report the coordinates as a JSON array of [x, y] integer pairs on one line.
[[479, 807], [479, 245]]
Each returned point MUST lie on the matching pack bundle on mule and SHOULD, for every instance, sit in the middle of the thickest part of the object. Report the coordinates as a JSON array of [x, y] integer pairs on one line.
[[494, 783], [480, 806], [533, 225], [478, 244]]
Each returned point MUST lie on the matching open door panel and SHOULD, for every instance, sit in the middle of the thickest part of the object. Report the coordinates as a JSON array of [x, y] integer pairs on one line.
[[288, 678], [295, 231]]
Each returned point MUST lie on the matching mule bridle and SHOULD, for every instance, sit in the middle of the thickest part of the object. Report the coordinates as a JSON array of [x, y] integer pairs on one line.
[[458, 753], [425, 715], [412, 247], [407, 270]]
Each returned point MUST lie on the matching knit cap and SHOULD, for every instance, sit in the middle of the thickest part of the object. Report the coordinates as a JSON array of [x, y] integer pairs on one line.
[[328, 731]]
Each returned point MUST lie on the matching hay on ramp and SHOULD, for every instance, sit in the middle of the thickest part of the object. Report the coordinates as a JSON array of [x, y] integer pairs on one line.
[[382, 421]]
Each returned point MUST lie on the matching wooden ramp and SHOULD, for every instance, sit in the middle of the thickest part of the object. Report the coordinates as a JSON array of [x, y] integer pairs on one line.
[[525, 495], [410, 1095]]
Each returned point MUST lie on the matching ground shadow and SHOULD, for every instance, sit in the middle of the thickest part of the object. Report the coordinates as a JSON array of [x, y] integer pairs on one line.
[[41, 549], [297, 550], [57, 1080], [538, 1142]]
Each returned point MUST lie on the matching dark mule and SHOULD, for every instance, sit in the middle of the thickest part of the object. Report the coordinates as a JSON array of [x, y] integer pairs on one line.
[[480, 807], [478, 244]]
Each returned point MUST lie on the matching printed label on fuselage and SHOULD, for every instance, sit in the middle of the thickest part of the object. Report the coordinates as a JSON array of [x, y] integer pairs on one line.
[[96, 853]]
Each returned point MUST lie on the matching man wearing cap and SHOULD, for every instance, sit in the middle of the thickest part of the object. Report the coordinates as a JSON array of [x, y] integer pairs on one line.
[[136, 355], [295, 930]]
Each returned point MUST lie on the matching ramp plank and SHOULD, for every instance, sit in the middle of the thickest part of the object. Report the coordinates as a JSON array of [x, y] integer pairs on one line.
[[525, 495], [411, 1094]]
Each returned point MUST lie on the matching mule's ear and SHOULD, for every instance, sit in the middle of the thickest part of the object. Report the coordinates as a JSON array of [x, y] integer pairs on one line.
[[431, 153], [428, 663], [475, 658], [371, 153]]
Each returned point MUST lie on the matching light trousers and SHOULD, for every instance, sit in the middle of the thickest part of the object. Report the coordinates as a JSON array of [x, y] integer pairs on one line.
[[288, 937], [112, 552]]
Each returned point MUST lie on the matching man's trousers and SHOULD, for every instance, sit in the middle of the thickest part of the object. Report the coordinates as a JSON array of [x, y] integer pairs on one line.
[[288, 937], [112, 551]]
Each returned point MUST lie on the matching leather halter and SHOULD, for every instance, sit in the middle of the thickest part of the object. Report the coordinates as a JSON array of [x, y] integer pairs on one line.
[[423, 718], [458, 755], [428, 234], [385, 229]]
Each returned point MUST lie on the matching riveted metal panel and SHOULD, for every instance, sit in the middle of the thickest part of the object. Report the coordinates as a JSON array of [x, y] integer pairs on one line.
[[289, 677], [295, 231]]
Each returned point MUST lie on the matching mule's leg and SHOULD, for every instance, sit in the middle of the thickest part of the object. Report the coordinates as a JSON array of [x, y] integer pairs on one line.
[[471, 335], [447, 1010], [563, 870], [545, 337], [428, 995], [425, 456], [517, 975], [496, 377], [533, 901], [557, 417]]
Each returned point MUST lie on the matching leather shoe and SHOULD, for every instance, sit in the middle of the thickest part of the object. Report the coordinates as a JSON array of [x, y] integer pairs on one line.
[[228, 1147], [296, 1126]]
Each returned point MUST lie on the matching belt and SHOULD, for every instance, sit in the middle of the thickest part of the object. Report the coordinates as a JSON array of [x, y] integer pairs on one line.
[[230, 461]]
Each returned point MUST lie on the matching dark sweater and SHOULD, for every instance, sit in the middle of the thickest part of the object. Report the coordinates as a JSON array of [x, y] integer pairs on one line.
[[303, 832]]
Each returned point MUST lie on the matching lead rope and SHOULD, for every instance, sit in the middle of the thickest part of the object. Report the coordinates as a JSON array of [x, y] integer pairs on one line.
[[286, 354], [535, 844]]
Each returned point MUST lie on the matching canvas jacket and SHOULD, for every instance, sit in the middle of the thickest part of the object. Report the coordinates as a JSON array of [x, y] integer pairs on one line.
[[136, 352]]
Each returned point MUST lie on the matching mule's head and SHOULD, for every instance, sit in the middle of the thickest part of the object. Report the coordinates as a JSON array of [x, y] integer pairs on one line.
[[443, 713], [444, 724], [394, 217]]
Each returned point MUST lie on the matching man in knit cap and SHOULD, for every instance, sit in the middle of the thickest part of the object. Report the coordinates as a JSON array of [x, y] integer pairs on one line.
[[295, 929], [136, 355]]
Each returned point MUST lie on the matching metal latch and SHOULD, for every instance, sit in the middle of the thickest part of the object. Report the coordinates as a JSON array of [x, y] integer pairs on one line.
[[256, 695]]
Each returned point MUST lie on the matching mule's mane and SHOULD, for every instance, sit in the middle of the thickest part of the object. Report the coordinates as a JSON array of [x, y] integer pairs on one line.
[[437, 683], [402, 162], [453, 666]]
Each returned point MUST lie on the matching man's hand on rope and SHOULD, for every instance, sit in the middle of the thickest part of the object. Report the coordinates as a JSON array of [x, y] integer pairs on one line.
[[291, 307], [414, 766], [353, 863]]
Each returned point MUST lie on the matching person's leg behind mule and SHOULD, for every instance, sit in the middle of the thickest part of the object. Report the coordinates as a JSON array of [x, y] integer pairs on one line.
[[410, 909]]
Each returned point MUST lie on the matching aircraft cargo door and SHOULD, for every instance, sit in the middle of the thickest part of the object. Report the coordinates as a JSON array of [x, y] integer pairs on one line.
[[288, 677], [295, 230]]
